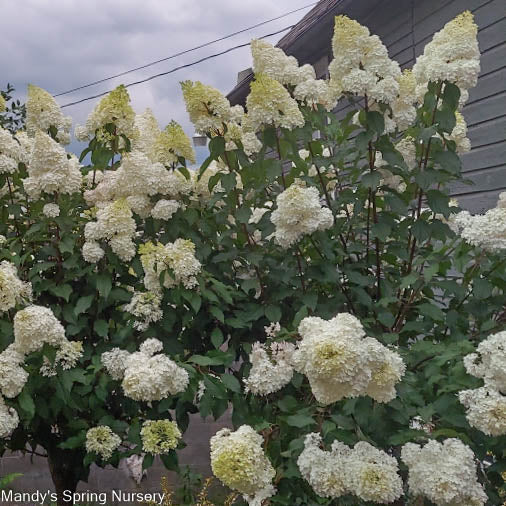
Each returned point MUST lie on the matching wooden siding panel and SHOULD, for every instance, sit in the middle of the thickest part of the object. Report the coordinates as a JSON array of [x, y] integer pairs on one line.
[[484, 180], [492, 84], [486, 109], [488, 133], [479, 202], [493, 59], [444, 12], [482, 157]]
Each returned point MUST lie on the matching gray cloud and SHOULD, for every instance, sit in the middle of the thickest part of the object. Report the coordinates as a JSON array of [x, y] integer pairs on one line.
[[61, 44]]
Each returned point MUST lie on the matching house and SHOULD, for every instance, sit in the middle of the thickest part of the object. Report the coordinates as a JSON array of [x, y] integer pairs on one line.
[[405, 26]]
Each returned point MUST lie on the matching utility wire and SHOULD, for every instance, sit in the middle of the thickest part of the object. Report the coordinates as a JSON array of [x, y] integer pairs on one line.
[[177, 68], [185, 51]]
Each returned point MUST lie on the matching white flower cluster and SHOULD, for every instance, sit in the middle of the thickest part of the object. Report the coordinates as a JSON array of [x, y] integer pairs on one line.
[[136, 180], [488, 230], [486, 410], [33, 327], [269, 103], [340, 362], [9, 419], [445, 473], [147, 129], [452, 55], [147, 375], [207, 107], [238, 460], [299, 212], [13, 376], [42, 112], [115, 109], [488, 361], [271, 368], [146, 307], [403, 110], [361, 65], [10, 152], [486, 406], [13, 291], [116, 225], [178, 256], [275, 64], [66, 357], [49, 169], [369, 473], [200, 183], [51, 210], [115, 362], [459, 134], [159, 436], [164, 209], [102, 441]]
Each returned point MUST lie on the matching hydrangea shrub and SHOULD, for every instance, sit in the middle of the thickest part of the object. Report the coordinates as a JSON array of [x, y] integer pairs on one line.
[[313, 275]]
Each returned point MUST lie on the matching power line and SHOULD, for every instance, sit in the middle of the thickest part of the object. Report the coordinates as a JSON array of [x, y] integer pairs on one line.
[[184, 52], [177, 68]]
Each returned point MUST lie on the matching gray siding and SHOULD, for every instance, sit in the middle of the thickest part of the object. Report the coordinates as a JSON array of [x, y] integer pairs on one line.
[[405, 27]]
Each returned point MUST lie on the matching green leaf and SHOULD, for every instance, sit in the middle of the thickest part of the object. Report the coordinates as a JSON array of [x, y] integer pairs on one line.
[[273, 313], [242, 214], [287, 403], [62, 291], [371, 179], [231, 382], [451, 96], [431, 311], [375, 121], [299, 421], [170, 461], [83, 304], [26, 403], [217, 338], [148, 461], [445, 118], [421, 230], [73, 441], [205, 361], [101, 328], [217, 313], [482, 289], [104, 285], [217, 146], [408, 280], [194, 299], [449, 161], [439, 202]]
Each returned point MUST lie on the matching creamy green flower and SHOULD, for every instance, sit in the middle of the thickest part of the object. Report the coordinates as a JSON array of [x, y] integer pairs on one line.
[[207, 107], [159, 436], [238, 460], [113, 108], [102, 441], [170, 144], [42, 112], [269, 103]]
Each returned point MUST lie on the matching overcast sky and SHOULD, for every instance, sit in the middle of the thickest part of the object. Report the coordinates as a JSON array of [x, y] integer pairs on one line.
[[62, 44]]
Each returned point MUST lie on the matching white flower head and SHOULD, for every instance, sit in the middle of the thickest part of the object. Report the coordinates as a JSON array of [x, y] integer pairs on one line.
[[36, 325], [269, 372], [102, 441], [444, 472], [238, 461], [299, 212]]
